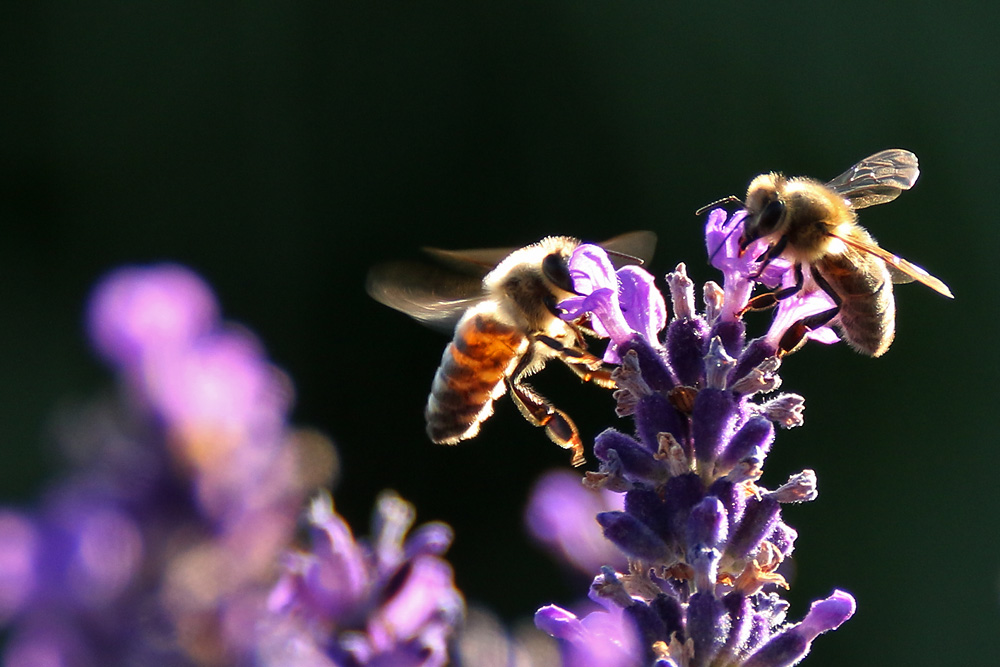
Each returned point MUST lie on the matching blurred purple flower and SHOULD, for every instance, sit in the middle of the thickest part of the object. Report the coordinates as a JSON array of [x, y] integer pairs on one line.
[[160, 546], [387, 601], [560, 515]]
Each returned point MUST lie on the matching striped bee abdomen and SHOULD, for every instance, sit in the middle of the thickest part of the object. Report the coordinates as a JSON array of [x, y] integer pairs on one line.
[[471, 376]]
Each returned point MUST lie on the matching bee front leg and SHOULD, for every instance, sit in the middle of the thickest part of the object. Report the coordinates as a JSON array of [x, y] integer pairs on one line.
[[771, 299], [589, 367], [558, 426], [795, 334], [774, 250]]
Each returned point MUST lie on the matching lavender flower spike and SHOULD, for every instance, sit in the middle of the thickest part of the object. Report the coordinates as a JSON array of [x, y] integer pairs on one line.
[[703, 538]]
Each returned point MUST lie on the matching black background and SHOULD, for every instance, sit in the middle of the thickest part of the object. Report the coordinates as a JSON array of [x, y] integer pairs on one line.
[[280, 149]]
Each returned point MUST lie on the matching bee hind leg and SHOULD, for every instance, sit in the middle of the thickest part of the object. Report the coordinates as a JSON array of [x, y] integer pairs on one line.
[[540, 412]]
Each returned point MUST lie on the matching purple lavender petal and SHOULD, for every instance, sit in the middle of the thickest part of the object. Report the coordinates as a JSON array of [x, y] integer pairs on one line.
[[641, 303], [608, 319], [559, 623], [796, 307], [591, 269]]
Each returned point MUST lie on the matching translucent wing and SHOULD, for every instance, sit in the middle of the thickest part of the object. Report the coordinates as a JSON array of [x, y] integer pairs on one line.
[[631, 248], [878, 178], [434, 296], [896, 264], [628, 248], [437, 295], [472, 262]]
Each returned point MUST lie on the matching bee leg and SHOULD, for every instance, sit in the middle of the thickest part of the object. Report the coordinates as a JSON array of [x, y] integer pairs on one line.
[[558, 426], [773, 251], [795, 334], [771, 299], [590, 368]]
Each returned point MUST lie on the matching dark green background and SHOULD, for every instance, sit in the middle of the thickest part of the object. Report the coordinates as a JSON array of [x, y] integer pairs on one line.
[[282, 148]]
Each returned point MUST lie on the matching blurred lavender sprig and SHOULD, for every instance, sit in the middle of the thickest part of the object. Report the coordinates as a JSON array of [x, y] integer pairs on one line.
[[388, 601], [703, 540], [164, 544]]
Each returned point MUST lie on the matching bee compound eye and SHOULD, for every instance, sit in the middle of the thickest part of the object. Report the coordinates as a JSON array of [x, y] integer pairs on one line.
[[770, 216], [556, 270]]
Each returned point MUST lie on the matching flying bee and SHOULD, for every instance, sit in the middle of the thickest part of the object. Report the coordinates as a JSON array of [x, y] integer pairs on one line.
[[813, 225], [500, 307]]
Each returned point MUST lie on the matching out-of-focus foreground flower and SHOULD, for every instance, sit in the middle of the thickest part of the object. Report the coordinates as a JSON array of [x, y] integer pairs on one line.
[[164, 544], [703, 540]]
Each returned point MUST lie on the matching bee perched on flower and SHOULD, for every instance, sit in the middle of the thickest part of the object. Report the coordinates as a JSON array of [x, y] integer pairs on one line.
[[703, 538]]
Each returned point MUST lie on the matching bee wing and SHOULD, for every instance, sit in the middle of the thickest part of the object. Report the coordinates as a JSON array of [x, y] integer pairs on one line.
[[472, 262], [898, 265], [432, 295], [878, 178], [631, 248]]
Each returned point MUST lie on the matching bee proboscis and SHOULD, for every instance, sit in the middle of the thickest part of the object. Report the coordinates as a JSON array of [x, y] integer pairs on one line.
[[500, 307], [814, 225]]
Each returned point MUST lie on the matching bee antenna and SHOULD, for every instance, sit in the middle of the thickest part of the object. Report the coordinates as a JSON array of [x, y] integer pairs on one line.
[[629, 259], [731, 199]]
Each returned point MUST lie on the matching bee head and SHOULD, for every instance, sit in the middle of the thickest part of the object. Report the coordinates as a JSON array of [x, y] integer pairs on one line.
[[765, 208]]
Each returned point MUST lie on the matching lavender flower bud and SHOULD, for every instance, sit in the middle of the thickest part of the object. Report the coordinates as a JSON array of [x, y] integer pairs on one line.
[[712, 422], [669, 609], [652, 366], [789, 647], [632, 536], [731, 335], [733, 499], [756, 352], [707, 523], [740, 623], [783, 539], [654, 414], [636, 462], [758, 522], [708, 626], [686, 344], [646, 505], [752, 440]]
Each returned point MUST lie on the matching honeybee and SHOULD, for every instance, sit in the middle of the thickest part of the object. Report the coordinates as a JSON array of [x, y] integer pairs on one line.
[[814, 225], [500, 307]]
